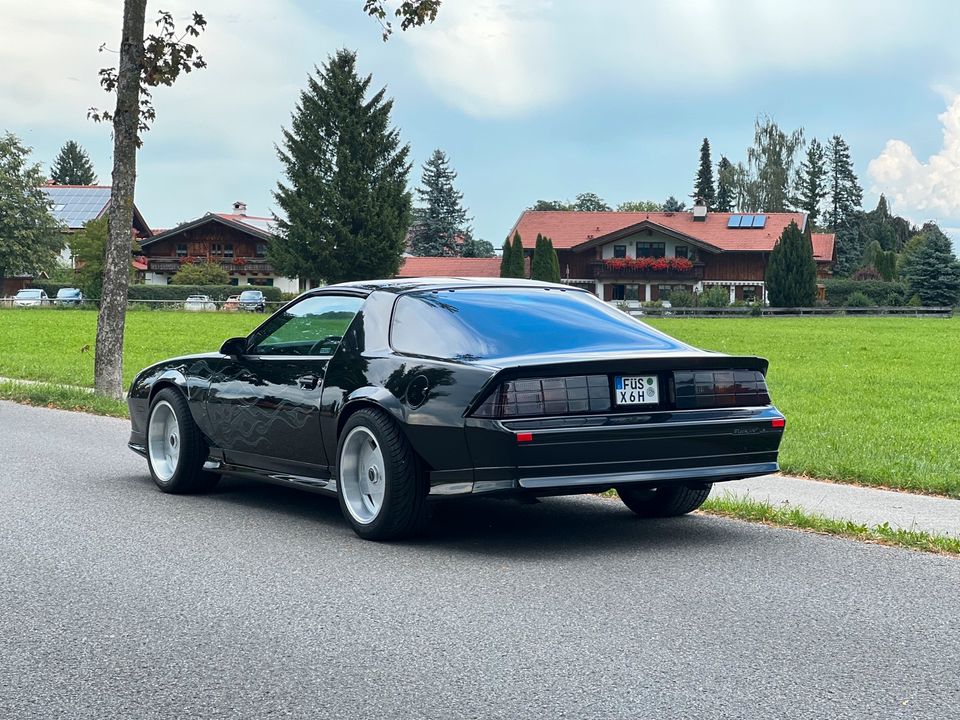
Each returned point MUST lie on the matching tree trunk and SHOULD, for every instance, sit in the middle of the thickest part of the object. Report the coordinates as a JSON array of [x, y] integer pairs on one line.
[[108, 362]]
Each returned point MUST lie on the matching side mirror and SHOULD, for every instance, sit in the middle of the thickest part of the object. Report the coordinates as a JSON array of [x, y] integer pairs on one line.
[[234, 347]]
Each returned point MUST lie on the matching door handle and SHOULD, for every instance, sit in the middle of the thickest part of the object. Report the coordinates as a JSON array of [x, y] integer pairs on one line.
[[308, 382]]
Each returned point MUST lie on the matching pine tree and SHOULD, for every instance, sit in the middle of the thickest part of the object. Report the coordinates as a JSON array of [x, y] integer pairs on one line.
[[932, 271], [506, 261], [442, 223], [518, 265], [792, 272], [845, 196], [811, 181], [73, 166], [345, 201], [726, 178], [703, 185]]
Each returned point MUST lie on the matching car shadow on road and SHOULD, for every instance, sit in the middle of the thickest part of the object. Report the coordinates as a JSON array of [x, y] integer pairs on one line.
[[550, 527]]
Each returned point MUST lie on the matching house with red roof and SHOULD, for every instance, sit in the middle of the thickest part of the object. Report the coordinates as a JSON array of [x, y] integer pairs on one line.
[[235, 240], [413, 267], [648, 255]]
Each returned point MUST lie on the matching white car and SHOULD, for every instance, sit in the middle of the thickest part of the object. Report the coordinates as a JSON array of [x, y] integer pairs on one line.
[[199, 303], [31, 297]]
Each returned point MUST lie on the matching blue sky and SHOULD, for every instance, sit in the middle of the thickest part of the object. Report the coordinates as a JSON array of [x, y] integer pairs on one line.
[[530, 98]]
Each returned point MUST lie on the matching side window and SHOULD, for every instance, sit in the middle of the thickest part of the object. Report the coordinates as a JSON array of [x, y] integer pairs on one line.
[[313, 326], [619, 251]]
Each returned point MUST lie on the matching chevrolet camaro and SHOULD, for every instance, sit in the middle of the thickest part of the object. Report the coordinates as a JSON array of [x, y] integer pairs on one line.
[[394, 394]]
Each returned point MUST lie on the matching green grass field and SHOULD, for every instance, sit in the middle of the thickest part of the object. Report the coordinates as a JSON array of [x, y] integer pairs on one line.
[[871, 400]]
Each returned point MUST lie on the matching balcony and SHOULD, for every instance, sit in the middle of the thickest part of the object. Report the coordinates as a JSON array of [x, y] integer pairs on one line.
[[239, 266], [662, 270]]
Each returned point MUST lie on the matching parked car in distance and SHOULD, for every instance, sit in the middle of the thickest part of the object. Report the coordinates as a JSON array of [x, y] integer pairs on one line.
[[69, 296], [31, 297], [199, 303], [252, 301], [232, 304], [392, 395]]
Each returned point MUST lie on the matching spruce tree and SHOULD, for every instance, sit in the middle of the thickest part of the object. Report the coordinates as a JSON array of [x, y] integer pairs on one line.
[[442, 222], [72, 166], [345, 202], [518, 265], [726, 179], [811, 181], [671, 204], [703, 185], [845, 196], [506, 261], [792, 272], [932, 271]]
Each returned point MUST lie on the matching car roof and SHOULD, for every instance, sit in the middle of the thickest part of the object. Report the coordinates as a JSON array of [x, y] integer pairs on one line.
[[404, 285]]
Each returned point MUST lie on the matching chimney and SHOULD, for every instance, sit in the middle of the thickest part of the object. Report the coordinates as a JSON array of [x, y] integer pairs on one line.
[[699, 210], [239, 208]]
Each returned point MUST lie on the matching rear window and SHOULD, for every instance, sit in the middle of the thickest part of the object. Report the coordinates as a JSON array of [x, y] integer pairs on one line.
[[502, 322], [68, 292]]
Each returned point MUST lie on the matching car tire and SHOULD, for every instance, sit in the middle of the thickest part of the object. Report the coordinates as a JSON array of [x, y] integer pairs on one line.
[[381, 484], [664, 501], [176, 449]]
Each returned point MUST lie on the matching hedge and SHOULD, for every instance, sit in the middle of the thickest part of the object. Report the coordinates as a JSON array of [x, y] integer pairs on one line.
[[880, 292]]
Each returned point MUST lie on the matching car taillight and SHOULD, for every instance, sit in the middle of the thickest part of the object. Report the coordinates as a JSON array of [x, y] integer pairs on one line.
[[548, 396], [697, 389]]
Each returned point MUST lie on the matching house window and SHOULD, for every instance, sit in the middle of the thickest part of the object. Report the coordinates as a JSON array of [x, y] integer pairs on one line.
[[181, 249], [619, 292], [749, 293], [619, 251], [682, 251], [216, 249], [234, 281], [261, 249], [228, 250], [651, 249], [663, 292]]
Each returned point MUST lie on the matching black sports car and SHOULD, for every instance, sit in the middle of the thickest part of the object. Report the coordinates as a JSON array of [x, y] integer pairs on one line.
[[390, 393]]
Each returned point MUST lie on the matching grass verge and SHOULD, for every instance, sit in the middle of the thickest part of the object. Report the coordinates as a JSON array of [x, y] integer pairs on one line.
[[796, 518], [63, 398]]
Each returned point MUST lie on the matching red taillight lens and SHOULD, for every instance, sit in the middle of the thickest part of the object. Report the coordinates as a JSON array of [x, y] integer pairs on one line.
[[524, 437], [697, 389], [778, 423], [548, 396]]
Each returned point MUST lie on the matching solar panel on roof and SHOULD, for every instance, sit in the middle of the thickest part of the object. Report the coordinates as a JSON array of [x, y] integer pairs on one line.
[[75, 206], [759, 221], [734, 221]]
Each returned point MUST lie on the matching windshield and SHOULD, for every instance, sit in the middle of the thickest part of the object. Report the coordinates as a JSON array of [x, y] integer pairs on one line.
[[68, 293], [488, 323], [251, 295], [29, 294]]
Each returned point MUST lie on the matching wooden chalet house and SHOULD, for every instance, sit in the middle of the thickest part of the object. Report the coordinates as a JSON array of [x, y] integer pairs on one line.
[[237, 241], [648, 255]]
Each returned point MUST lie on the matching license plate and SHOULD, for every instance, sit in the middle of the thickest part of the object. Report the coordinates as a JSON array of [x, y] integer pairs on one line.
[[636, 390]]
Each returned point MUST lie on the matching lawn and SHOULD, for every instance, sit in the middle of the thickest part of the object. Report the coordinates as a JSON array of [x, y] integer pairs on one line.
[[872, 400], [876, 400], [57, 345]]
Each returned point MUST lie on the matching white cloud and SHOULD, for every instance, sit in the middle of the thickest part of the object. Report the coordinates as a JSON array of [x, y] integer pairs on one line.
[[488, 57], [918, 189], [506, 58]]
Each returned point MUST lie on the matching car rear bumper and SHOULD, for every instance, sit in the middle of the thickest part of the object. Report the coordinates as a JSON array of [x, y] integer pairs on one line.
[[564, 455]]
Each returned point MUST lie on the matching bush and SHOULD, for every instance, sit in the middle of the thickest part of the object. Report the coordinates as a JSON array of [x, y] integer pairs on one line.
[[859, 300], [201, 273], [880, 292], [180, 292], [715, 296], [682, 298]]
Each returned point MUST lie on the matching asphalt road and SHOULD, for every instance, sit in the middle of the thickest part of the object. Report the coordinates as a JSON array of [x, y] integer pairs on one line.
[[117, 601]]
